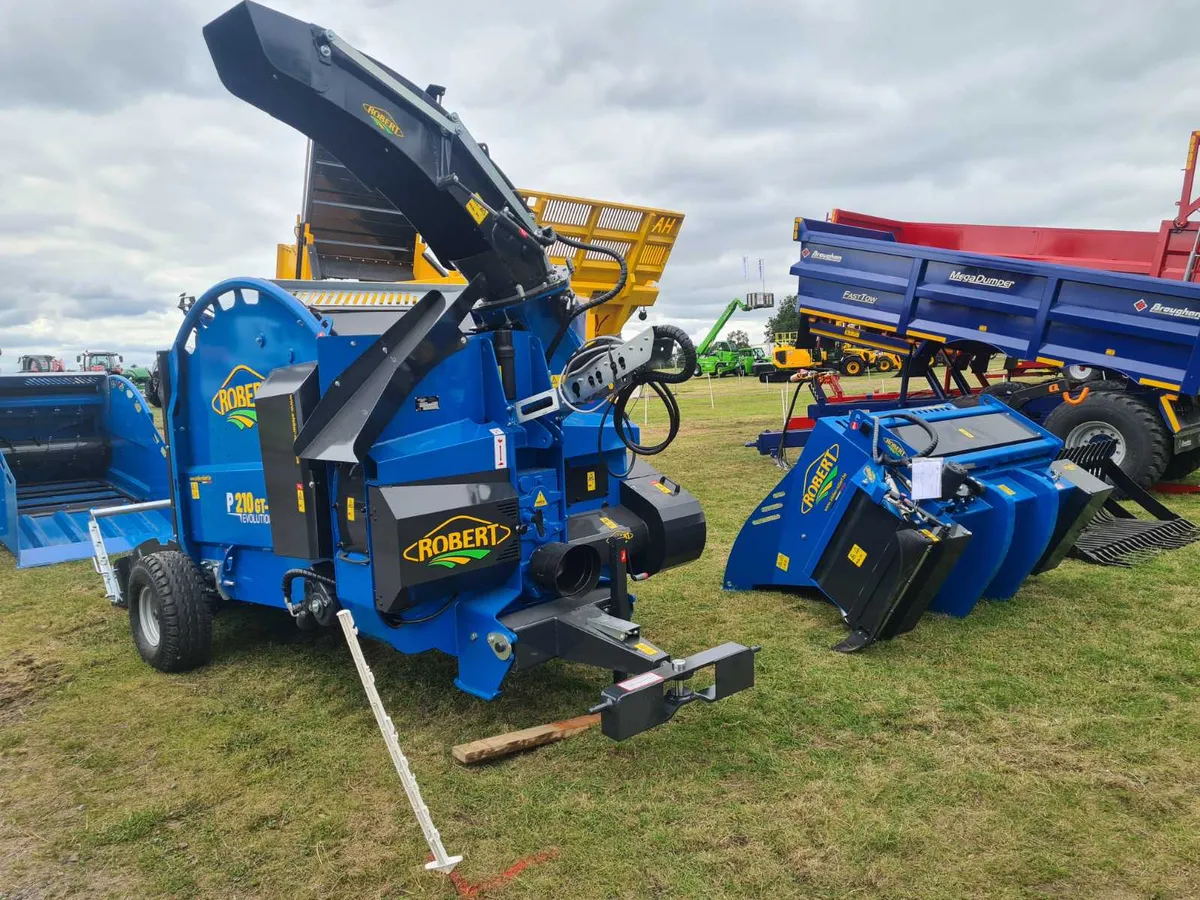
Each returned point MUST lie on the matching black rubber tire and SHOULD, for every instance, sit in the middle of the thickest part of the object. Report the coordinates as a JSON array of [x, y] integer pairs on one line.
[[1147, 443], [184, 611], [697, 372], [1003, 390], [884, 364], [852, 366], [1181, 465]]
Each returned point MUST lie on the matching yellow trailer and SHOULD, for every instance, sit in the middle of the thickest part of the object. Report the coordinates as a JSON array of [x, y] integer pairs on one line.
[[347, 231]]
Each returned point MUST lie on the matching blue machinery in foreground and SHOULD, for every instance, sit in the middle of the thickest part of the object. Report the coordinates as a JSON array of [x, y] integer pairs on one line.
[[998, 506], [409, 458], [71, 442]]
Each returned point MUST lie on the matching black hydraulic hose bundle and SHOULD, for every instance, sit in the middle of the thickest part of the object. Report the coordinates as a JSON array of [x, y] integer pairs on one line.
[[583, 307]]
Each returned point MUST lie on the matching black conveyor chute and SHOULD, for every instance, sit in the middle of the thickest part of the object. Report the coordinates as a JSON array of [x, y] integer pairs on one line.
[[358, 405], [390, 133]]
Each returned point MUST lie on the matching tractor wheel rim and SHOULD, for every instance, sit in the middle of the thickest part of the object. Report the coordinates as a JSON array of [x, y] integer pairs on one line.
[[1090, 432], [148, 616]]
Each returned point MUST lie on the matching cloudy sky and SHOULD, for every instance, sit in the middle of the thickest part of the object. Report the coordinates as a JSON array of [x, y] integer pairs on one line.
[[128, 174]]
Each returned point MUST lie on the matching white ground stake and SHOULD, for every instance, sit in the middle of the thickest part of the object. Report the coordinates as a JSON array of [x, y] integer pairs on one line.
[[712, 404], [441, 862]]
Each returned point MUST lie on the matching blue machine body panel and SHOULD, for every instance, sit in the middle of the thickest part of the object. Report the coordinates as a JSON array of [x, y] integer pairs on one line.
[[1011, 522], [1146, 328], [73, 442]]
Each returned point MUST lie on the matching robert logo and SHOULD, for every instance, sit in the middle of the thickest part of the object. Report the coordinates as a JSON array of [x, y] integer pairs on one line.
[[457, 542], [819, 479], [234, 401], [895, 449], [383, 119]]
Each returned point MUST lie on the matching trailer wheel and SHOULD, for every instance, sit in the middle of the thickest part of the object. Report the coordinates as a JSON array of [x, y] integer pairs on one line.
[[851, 366], [169, 614], [1182, 465], [884, 364], [1143, 445]]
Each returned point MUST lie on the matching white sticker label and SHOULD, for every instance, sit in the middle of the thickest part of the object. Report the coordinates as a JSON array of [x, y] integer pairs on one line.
[[927, 478], [500, 444], [640, 681]]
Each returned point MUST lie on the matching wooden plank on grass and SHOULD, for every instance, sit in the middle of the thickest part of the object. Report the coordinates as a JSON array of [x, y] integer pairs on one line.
[[500, 745]]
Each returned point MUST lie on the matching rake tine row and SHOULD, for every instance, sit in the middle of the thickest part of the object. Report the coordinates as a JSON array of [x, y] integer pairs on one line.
[[1113, 537]]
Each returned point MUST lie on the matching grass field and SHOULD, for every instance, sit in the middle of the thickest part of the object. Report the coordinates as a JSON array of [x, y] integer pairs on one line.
[[1048, 746]]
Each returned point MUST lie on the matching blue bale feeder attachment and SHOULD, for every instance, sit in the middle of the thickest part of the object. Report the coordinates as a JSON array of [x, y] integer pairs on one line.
[[407, 455], [993, 504], [72, 442]]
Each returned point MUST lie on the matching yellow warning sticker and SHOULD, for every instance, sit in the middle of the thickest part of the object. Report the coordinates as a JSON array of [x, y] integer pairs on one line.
[[195, 490], [476, 211], [591, 480], [967, 433], [648, 649], [662, 487], [781, 562], [929, 534], [300, 497], [541, 500], [555, 380], [350, 510], [857, 555], [1006, 489], [609, 522]]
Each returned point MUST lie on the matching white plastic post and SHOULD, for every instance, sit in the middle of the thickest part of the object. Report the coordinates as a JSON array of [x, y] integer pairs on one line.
[[712, 404], [441, 862], [783, 405]]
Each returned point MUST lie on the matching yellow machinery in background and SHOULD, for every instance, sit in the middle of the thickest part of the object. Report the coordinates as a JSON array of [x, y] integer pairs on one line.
[[787, 358], [347, 231]]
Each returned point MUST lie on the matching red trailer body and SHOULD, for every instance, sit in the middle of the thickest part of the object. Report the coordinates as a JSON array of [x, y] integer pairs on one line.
[[1162, 254]]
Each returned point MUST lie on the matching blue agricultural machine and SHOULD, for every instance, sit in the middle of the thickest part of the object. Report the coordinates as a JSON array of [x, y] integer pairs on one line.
[[1025, 472], [71, 442], [446, 461], [1127, 346]]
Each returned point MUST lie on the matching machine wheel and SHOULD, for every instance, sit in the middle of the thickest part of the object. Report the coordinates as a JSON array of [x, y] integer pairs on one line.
[[1003, 390], [884, 364], [697, 373], [1143, 445], [1182, 465], [169, 613], [852, 365]]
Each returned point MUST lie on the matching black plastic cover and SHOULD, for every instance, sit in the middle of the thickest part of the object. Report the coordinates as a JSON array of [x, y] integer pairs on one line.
[[426, 532], [675, 523], [296, 489]]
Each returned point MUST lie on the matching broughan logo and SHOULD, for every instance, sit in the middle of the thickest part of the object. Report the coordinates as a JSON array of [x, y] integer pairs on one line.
[[819, 478], [827, 257], [983, 280], [859, 298], [1179, 312], [457, 542]]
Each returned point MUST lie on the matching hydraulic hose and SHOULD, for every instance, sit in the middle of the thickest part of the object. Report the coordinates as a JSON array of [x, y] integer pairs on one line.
[[583, 307], [912, 419]]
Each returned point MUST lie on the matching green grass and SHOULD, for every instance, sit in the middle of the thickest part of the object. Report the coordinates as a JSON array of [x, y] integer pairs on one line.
[[1048, 746]]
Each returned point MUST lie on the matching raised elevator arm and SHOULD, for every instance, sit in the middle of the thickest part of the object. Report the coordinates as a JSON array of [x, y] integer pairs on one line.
[[734, 305], [393, 136]]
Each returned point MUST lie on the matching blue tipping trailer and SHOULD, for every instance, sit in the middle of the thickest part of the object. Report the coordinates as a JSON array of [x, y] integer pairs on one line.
[[1128, 344], [71, 442]]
